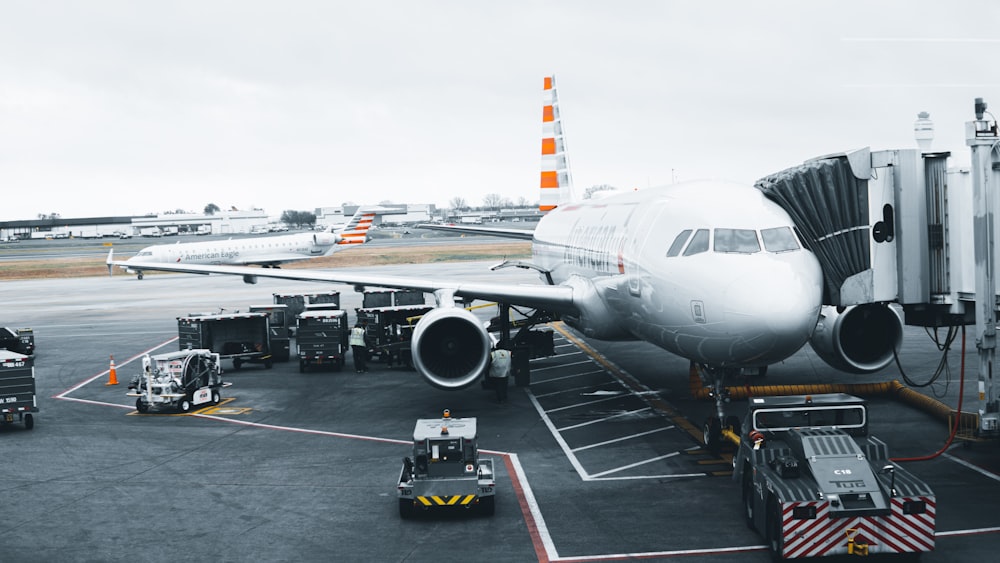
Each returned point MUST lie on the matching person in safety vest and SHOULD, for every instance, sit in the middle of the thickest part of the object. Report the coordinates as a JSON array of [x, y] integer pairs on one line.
[[359, 348], [500, 372]]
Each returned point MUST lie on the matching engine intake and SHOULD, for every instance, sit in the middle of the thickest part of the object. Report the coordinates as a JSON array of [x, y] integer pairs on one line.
[[858, 339], [450, 348]]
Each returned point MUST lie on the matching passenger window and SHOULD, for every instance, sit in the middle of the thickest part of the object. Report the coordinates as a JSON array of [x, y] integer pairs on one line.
[[743, 241], [678, 244], [779, 239], [699, 243]]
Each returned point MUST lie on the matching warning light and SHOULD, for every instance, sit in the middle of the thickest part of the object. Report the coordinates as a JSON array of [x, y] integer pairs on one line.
[[447, 413]]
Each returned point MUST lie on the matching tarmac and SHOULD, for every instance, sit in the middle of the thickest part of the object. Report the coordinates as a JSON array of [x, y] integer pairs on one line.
[[599, 460]]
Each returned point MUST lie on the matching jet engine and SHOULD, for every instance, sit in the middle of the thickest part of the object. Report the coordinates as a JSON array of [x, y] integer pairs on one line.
[[324, 239], [858, 339], [450, 348]]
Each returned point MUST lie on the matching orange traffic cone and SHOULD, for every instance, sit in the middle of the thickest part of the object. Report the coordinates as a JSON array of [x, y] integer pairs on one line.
[[112, 374]]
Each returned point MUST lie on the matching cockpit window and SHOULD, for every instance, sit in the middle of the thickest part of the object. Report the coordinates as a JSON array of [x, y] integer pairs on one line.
[[678, 244], [699, 243], [779, 239], [743, 241]]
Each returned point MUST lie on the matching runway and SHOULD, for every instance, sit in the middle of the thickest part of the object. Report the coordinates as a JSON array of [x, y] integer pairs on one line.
[[597, 460]]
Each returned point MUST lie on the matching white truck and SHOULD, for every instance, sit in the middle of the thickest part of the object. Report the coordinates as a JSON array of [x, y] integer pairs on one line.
[[180, 380]]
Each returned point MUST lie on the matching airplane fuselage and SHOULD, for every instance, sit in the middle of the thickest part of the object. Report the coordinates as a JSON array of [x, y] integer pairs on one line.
[[240, 251], [710, 271]]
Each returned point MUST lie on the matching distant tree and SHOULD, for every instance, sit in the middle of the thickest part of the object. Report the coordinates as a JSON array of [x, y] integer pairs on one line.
[[48, 215], [523, 202], [211, 208], [599, 188], [458, 202], [493, 201], [298, 218]]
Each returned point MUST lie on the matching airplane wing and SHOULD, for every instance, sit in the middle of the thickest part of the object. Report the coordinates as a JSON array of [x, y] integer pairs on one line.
[[554, 298], [278, 259], [523, 234]]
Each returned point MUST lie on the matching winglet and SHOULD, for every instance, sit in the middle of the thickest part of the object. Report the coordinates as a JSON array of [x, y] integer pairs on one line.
[[111, 257], [556, 185]]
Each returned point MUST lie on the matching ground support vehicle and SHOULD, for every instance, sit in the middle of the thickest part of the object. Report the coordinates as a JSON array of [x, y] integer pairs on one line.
[[280, 324], [446, 470], [297, 303], [391, 298], [240, 337], [814, 483], [21, 340], [17, 388], [389, 331], [321, 339], [180, 380]]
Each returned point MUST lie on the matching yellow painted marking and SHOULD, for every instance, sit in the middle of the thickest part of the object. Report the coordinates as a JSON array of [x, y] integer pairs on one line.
[[424, 501], [208, 409]]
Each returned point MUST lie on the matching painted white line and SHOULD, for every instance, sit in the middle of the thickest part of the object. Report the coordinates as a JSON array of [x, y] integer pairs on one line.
[[536, 512], [636, 464], [973, 467], [971, 532], [588, 403], [605, 419], [570, 376], [623, 438], [560, 366], [652, 554], [107, 371], [557, 436], [576, 389]]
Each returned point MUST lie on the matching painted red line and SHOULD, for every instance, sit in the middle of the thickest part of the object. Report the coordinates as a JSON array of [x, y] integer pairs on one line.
[[529, 520]]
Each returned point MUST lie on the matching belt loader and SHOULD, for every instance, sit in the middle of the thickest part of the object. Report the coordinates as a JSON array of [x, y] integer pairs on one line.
[[814, 483], [446, 470], [180, 380]]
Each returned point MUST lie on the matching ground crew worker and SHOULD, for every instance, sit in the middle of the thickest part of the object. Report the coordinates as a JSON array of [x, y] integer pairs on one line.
[[359, 348], [500, 372]]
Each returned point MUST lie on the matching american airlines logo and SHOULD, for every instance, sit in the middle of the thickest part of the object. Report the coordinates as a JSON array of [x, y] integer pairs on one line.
[[222, 254]]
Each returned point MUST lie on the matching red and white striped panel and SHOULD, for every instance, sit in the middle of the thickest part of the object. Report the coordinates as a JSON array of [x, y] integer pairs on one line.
[[896, 533], [555, 184], [355, 233]]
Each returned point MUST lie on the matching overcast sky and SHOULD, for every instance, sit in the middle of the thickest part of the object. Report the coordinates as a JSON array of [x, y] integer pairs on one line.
[[119, 108]]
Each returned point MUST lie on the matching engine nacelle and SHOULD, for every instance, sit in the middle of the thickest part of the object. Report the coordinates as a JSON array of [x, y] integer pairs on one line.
[[859, 339], [450, 348], [326, 239]]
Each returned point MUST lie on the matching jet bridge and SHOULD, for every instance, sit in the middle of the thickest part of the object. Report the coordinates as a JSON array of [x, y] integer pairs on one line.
[[893, 226]]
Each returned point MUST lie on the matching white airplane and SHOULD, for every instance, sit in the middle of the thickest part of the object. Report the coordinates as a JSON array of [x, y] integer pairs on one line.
[[268, 252], [711, 271]]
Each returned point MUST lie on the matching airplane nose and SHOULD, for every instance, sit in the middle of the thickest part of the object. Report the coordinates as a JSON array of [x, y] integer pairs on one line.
[[776, 305]]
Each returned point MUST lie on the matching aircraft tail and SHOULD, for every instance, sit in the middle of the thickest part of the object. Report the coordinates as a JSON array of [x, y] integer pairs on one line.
[[556, 185], [356, 230]]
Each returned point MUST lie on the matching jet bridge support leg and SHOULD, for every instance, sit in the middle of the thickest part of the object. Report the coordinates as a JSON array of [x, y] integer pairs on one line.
[[983, 139]]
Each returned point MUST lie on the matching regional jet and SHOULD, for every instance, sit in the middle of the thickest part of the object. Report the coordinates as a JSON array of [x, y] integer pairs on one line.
[[268, 252], [711, 271]]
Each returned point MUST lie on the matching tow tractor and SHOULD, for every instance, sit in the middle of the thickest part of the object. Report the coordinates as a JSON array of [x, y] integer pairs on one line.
[[815, 483], [180, 380], [446, 470]]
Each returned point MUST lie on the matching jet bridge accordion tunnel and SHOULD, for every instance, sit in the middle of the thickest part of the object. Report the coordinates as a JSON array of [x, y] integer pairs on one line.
[[876, 222]]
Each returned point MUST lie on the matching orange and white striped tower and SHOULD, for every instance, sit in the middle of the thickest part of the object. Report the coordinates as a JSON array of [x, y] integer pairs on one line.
[[556, 186]]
